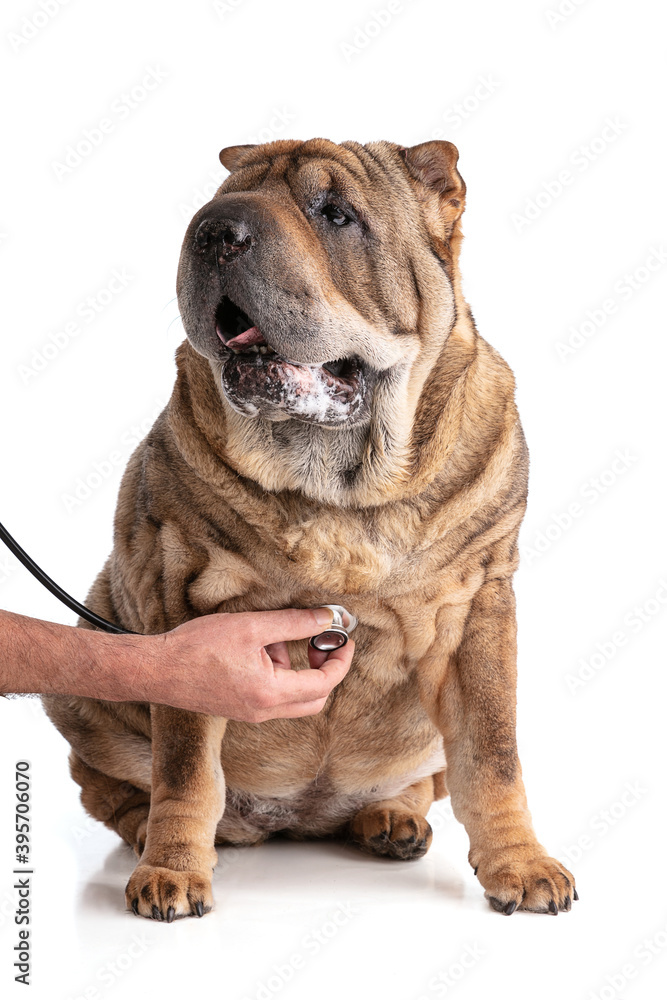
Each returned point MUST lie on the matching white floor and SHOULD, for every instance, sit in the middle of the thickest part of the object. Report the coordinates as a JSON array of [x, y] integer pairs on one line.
[[320, 920]]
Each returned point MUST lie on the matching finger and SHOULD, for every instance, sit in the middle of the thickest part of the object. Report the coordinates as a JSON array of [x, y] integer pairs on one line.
[[338, 663], [316, 657], [279, 655], [267, 627], [298, 710], [311, 685]]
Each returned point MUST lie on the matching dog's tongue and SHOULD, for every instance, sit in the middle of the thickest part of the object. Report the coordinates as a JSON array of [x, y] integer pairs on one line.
[[251, 336]]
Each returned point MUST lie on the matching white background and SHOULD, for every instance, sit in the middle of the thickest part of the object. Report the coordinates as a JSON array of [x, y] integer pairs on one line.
[[592, 752]]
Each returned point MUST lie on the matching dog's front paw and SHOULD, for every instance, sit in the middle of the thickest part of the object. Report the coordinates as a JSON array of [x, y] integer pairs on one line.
[[163, 894], [520, 879], [392, 833]]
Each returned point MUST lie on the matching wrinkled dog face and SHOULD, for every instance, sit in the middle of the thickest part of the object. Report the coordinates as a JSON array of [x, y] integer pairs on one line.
[[303, 279]]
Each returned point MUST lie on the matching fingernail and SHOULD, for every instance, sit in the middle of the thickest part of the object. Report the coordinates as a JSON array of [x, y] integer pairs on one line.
[[323, 616]]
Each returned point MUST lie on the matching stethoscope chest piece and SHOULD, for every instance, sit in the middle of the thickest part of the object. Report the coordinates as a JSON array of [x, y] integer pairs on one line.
[[338, 633]]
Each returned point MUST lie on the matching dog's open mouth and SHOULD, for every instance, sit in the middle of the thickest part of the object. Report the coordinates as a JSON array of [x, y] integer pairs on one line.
[[257, 380]]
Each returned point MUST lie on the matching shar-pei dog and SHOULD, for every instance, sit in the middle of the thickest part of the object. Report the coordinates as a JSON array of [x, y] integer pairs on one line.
[[339, 433]]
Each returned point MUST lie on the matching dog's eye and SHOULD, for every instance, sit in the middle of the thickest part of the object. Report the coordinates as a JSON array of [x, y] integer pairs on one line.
[[336, 215]]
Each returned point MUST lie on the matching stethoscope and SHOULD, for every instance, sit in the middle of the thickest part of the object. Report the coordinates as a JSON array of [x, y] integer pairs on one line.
[[332, 638], [337, 633]]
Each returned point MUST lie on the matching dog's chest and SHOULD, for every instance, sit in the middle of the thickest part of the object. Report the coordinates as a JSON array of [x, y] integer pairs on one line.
[[335, 554]]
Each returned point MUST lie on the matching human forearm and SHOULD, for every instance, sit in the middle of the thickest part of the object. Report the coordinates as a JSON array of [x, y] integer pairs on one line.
[[230, 665], [47, 658]]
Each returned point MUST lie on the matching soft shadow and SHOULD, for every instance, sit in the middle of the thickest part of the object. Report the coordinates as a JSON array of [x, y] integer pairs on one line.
[[284, 873]]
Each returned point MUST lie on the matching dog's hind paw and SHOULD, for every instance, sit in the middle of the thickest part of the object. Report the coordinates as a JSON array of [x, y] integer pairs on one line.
[[392, 833], [163, 894]]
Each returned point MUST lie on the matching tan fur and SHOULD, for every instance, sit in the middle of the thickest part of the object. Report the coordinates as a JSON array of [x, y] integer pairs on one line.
[[221, 512]]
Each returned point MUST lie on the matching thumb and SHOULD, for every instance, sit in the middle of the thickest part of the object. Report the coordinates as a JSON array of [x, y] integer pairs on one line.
[[291, 623]]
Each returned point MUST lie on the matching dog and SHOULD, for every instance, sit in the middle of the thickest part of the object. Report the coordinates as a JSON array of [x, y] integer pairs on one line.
[[339, 432]]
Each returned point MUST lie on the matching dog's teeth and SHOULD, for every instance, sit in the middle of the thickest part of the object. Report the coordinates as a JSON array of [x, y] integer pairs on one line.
[[262, 348], [269, 350]]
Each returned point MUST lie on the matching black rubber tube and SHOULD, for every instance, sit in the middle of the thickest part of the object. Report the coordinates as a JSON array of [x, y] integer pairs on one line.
[[52, 586]]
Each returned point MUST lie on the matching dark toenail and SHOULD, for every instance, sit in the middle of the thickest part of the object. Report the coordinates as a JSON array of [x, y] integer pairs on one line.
[[156, 913], [510, 908], [199, 907], [171, 913], [135, 906], [475, 870], [567, 904], [552, 907], [575, 894]]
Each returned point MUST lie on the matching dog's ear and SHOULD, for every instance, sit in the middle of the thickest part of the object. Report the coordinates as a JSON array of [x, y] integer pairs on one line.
[[433, 166], [231, 156]]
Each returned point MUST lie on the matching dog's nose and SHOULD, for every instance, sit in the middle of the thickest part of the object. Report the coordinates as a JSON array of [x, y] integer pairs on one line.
[[230, 237]]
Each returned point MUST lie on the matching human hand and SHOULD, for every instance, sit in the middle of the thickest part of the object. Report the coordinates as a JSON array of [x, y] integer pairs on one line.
[[237, 665]]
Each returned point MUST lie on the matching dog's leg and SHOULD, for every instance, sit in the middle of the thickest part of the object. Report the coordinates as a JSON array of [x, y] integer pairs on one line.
[[472, 698], [396, 828], [173, 877], [118, 804]]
